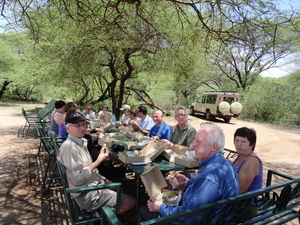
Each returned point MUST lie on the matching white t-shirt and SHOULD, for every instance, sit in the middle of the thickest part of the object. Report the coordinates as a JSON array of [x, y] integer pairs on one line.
[[147, 123], [125, 118]]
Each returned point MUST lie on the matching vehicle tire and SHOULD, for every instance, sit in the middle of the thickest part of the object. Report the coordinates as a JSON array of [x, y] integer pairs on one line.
[[208, 115], [236, 108], [192, 111], [224, 108], [227, 119]]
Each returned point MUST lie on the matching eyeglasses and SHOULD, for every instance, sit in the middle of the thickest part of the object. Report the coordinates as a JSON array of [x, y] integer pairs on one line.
[[78, 126], [180, 115]]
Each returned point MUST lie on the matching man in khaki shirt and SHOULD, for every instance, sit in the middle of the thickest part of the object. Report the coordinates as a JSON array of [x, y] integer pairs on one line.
[[82, 172], [183, 133]]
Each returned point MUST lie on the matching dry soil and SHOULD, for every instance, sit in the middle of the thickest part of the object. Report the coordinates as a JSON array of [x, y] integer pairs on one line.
[[24, 201]]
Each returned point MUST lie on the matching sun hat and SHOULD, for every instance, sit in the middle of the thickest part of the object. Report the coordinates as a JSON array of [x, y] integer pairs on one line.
[[124, 107], [75, 118]]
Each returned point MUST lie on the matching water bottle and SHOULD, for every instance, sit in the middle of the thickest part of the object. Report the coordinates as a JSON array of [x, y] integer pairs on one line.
[[113, 119]]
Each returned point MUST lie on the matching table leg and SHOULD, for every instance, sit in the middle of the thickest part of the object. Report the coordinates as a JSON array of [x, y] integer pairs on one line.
[[138, 191]]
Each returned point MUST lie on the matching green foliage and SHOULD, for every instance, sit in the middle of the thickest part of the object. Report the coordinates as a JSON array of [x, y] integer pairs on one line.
[[91, 50], [16, 67], [271, 101], [293, 80]]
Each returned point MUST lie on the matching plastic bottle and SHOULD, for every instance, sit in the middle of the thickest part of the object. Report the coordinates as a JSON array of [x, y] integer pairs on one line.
[[113, 119]]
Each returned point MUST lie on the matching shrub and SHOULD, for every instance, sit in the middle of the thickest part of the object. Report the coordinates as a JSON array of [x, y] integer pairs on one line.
[[270, 101]]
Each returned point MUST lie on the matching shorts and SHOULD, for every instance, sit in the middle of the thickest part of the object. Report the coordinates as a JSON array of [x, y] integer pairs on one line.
[[96, 199]]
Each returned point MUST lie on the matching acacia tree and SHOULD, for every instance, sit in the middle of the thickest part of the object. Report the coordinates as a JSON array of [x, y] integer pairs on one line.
[[114, 32], [7, 59], [258, 49], [95, 44]]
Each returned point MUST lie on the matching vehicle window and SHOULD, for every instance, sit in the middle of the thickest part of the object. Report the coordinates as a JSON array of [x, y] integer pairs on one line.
[[211, 99], [228, 99], [200, 99], [203, 99]]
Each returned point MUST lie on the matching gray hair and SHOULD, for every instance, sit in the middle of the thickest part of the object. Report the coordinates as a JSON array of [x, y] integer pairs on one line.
[[181, 108], [215, 135], [157, 111]]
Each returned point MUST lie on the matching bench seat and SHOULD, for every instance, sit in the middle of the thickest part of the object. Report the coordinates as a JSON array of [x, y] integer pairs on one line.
[[278, 204]]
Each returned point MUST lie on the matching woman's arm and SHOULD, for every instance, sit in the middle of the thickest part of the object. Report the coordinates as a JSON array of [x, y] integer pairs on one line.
[[247, 173]]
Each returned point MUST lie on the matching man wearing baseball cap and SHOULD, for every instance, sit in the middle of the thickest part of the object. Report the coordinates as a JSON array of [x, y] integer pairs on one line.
[[125, 119], [83, 172]]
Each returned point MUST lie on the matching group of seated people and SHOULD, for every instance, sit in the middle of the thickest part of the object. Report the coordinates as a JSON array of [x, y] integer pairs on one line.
[[181, 134], [218, 178]]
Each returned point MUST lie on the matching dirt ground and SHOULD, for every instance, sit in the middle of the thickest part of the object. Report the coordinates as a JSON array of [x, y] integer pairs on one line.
[[24, 201]]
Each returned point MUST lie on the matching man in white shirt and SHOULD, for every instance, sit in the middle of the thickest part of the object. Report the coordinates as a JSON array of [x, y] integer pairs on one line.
[[125, 119], [146, 122]]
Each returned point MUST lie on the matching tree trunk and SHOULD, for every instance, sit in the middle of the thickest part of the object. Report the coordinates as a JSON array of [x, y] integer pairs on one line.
[[4, 87]]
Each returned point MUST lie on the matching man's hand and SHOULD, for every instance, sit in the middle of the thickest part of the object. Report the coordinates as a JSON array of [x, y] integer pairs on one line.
[[165, 141], [103, 155], [153, 206], [133, 123], [99, 130], [155, 138], [101, 135], [124, 123], [181, 179]]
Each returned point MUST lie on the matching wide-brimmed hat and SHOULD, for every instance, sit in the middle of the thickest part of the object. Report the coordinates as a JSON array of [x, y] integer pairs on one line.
[[124, 107], [75, 118]]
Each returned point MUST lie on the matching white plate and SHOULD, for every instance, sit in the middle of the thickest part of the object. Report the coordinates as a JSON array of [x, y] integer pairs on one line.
[[140, 163]]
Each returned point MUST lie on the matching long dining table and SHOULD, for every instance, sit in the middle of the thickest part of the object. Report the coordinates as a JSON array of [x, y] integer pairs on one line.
[[164, 165]]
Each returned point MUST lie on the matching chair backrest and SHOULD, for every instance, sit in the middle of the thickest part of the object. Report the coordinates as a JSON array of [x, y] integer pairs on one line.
[[46, 110], [24, 113], [41, 128], [48, 144]]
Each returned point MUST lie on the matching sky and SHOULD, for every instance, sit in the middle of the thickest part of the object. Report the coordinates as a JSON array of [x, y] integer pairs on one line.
[[283, 67]]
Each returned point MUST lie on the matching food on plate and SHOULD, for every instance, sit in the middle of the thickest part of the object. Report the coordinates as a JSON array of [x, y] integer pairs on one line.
[[169, 195], [134, 153]]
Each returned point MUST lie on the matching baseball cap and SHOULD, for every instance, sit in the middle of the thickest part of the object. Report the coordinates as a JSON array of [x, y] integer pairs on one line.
[[124, 107], [75, 118]]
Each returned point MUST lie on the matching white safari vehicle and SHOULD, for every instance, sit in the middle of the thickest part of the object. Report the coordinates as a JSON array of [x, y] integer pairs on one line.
[[222, 104]]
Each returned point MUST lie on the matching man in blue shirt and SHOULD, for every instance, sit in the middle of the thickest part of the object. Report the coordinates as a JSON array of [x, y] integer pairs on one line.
[[216, 180], [160, 130]]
